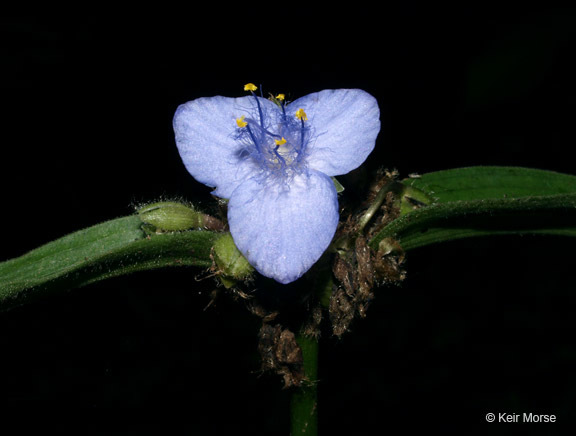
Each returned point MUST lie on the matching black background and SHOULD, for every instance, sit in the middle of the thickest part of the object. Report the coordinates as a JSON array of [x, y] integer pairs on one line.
[[479, 326]]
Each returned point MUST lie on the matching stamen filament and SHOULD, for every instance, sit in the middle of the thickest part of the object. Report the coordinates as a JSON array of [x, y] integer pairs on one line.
[[253, 138], [302, 142], [274, 135], [280, 157], [251, 87], [259, 111]]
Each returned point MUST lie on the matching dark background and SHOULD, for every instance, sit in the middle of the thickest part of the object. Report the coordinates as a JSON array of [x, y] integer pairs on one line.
[[478, 326]]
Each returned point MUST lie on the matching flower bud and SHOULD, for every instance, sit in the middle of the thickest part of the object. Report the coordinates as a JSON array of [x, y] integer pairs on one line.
[[170, 216], [232, 265]]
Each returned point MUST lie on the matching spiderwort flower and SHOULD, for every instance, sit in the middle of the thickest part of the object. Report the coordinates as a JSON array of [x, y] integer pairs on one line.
[[273, 160]]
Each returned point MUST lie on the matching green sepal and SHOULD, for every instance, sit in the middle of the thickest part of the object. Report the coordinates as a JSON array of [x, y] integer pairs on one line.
[[232, 265], [338, 185]]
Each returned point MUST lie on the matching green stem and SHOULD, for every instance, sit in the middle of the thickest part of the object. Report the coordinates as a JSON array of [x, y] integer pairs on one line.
[[110, 249], [376, 204], [304, 401]]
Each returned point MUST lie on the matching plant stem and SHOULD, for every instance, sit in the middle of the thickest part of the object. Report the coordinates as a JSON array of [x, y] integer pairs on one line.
[[380, 197], [304, 401]]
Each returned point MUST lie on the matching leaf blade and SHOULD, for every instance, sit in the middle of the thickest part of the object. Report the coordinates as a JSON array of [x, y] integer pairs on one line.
[[488, 182], [482, 201], [109, 249]]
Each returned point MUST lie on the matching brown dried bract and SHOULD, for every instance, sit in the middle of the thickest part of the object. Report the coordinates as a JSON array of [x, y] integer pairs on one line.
[[281, 354], [388, 262], [342, 311], [383, 177], [358, 268], [311, 326], [213, 223], [364, 276], [355, 292], [261, 312], [389, 211]]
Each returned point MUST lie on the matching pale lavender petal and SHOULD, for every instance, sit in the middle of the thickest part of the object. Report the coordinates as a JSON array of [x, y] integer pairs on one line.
[[283, 229], [205, 131], [345, 124]]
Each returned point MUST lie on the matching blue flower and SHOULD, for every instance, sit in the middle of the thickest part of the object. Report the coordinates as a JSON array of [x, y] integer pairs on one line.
[[273, 160]]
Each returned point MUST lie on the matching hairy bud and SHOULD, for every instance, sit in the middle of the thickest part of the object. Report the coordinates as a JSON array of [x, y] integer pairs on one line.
[[171, 216], [231, 265]]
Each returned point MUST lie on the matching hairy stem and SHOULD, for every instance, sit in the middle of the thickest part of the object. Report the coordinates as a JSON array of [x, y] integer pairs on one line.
[[371, 211], [304, 400]]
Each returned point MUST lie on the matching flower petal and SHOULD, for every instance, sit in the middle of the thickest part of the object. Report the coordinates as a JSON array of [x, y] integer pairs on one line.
[[205, 135], [281, 228], [345, 125]]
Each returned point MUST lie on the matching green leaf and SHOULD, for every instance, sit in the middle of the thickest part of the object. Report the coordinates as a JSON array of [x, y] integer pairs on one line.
[[110, 249], [481, 201], [480, 183]]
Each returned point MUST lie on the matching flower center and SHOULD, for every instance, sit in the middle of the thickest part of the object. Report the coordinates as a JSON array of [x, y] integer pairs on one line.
[[273, 138]]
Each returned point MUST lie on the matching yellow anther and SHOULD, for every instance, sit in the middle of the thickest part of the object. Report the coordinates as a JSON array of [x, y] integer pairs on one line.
[[280, 97], [301, 115], [250, 87], [240, 121], [280, 141]]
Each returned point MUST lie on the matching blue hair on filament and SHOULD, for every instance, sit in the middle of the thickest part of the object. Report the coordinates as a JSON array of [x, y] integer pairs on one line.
[[275, 140]]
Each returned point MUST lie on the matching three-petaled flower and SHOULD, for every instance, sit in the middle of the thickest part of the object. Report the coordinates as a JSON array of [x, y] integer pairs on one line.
[[273, 160]]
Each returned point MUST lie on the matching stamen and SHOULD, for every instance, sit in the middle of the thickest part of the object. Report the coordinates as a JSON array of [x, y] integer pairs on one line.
[[282, 160], [269, 133], [282, 154], [301, 115], [259, 111], [240, 121], [253, 138], [282, 104], [251, 87], [279, 101]]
